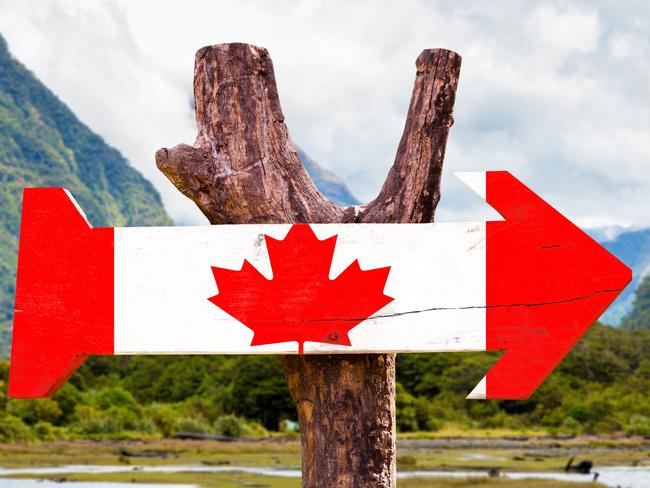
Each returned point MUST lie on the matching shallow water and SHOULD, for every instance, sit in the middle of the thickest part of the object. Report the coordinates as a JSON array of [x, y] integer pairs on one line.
[[624, 477], [9, 483]]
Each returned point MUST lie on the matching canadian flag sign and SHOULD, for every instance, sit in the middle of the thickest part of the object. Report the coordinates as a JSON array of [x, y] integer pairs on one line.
[[529, 285]]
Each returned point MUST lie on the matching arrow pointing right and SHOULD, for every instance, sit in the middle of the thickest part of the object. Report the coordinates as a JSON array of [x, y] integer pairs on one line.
[[530, 285], [544, 272]]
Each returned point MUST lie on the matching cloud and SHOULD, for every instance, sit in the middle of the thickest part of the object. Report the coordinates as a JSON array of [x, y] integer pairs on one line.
[[564, 31], [556, 93]]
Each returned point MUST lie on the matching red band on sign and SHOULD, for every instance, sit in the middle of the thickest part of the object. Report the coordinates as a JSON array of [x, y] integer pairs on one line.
[[547, 282], [64, 293]]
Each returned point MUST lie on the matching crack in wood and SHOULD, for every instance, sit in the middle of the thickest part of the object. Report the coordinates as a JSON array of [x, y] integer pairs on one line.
[[471, 307]]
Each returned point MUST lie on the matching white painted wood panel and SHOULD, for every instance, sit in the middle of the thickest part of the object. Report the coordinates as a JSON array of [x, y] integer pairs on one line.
[[163, 280]]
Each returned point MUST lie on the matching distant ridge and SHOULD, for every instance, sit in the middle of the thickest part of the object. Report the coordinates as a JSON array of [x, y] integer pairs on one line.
[[327, 182], [633, 248]]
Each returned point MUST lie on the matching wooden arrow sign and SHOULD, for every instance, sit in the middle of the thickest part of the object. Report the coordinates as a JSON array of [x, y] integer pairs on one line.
[[529, 285]]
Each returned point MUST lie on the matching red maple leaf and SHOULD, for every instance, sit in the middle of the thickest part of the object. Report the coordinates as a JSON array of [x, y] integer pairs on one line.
[[300, 303]]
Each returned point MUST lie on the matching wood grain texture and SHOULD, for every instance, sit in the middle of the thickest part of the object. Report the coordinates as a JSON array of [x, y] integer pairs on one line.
[[243, 168], [412, 188], [346, 409]]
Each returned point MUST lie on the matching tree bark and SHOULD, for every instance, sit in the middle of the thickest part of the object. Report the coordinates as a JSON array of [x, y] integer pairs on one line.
[[243, 168]]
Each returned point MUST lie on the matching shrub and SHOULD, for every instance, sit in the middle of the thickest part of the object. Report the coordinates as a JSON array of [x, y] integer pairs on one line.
[[89, 420], [426, 415], [406, 460], [607, 425], [13, 429], [196, 406], [163, 416], [259, 391], [190, 424], [255, 429], [115, 396], [126, 418], [497, 420], [68, 397], [3, 394], [144, 425], [229, 425], [579, 412], [406, 412], [570, 426], [45, 431], [33, 411], [638, 425]]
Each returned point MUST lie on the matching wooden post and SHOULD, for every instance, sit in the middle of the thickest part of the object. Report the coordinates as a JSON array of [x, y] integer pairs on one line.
[[243, 168]]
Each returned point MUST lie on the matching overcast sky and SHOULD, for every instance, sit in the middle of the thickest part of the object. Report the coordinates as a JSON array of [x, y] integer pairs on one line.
[[556, 92]]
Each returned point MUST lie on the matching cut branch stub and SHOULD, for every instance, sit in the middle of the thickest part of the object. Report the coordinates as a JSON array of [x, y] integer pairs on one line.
[[412, 189], [243, 168]]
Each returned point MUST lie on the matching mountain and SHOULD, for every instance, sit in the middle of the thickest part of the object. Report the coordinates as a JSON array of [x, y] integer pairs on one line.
[[42, 143], [633, 248], [327, 182], [639, 316]]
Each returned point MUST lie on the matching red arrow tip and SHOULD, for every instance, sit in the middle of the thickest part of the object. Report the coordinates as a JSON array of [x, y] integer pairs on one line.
[[547, 283]]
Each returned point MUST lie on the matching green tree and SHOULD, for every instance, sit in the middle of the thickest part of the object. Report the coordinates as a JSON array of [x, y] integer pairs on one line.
[[259, 391]]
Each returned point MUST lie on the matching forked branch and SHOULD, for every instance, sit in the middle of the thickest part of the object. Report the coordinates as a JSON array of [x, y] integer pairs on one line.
[[243, 168]]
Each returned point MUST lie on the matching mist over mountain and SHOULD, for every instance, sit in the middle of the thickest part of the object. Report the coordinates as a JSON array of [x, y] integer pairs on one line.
[[327, 182]]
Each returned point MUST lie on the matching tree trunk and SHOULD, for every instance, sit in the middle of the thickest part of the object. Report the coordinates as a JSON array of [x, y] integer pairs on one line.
[[243, 168]]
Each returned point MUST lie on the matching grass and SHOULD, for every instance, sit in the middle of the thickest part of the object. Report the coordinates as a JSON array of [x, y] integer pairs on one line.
[[263, 453], [488, 482], [518, 459], [207, 480], [535, 454], [452, 430]]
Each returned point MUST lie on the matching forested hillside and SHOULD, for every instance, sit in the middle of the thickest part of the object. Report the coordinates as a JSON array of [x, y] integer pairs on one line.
[[601, 387], [639, 316], [42, 143], [633, 248]]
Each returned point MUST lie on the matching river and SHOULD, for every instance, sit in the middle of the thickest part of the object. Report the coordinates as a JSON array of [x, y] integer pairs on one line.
[[623, 477]]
